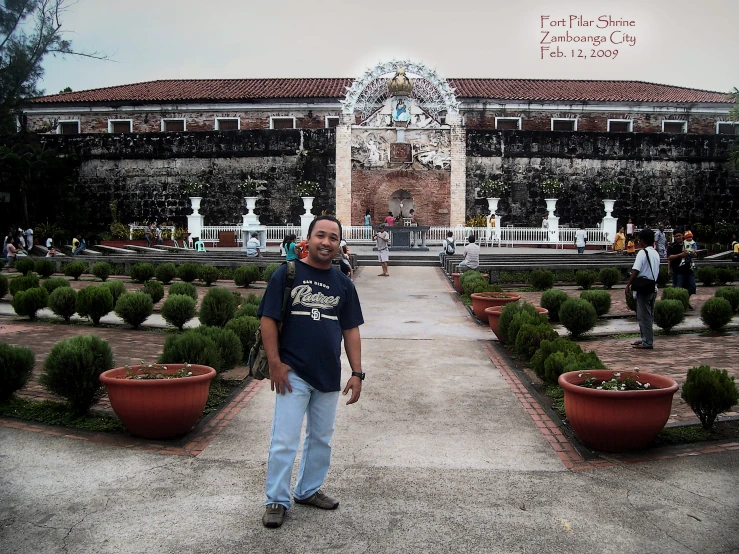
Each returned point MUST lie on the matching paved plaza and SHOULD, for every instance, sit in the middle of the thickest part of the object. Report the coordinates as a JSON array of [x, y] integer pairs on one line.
[[443, 453]]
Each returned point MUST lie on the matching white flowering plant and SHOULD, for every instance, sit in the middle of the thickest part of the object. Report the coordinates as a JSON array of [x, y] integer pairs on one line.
[[491, 188], [308, 188], [195, 187], [619, 382], [551, 187], [608, 188], [250, 187]]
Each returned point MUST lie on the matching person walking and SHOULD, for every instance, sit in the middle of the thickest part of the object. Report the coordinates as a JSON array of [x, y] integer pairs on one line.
[[367, 224], [382, 238], [29, 239], [158, 232], [581, 237], [147, 235], [304, 354], [471, 255], [645, 265], [660, 241]]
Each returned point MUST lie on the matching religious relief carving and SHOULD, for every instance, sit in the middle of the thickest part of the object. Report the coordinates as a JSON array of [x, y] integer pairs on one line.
[[369, 151], [421, 149], [401, 152], [435, 152]]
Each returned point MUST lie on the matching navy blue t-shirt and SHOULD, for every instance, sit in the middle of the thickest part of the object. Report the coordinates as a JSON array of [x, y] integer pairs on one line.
[[322, 304]]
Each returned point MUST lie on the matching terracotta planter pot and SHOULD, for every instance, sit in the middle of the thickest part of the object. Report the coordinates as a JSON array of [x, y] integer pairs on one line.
[[493, 314], [616, 421], [457, 284], [158, 408], [482, 300]]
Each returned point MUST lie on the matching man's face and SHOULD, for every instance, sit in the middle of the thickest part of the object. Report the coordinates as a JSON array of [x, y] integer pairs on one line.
[[678, 237], [323, 243]]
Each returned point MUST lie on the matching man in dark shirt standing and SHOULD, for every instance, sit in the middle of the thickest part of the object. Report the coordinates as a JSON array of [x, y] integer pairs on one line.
[[682, 273], [305, 368]]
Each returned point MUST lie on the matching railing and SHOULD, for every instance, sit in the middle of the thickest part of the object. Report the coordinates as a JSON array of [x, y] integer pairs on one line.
[[274, 232]]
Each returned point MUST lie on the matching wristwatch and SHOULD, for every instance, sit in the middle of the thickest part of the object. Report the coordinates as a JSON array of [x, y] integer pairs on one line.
[[357, 374]]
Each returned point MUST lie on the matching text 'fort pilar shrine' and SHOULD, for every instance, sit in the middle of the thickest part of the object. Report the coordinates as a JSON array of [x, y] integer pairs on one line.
[[579, 37]]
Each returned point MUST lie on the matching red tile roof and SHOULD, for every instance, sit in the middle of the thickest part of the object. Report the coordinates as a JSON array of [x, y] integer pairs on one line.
[[192, 90]]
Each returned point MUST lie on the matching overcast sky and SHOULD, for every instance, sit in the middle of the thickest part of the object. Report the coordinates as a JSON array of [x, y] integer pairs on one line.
[[678, 42]]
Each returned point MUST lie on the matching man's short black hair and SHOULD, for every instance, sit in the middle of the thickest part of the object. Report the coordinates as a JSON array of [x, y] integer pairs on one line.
[[471, 239], [324, 218], [647, 236]]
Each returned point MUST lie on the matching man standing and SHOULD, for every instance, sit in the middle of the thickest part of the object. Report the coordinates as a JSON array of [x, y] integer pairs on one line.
[[305, 368], [29, 239], [581, 237], [660, 241], [680, 265], [471, 255], [382, 237], [253, 246], [645, 265]]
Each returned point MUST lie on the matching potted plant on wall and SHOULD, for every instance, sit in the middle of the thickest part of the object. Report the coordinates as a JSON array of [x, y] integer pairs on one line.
[[307, 191], [617, 411], [158, 401], [608, 191], [195, 189], [250, 189], [551, 188]]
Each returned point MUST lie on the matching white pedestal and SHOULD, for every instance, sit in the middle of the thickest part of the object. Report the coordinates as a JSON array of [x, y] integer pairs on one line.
[[195, 226], [494, 232], [609, 228], [553, 222], [246, 232]]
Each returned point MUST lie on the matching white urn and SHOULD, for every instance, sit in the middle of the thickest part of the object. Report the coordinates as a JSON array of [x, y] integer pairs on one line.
[[195, 203]]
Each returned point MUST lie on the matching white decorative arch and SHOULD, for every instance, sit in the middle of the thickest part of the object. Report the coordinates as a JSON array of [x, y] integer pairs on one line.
[[370, 89]]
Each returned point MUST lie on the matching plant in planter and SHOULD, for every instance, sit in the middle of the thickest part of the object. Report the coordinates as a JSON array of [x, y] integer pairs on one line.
[[158, 401], [308, 188], [551, 188], [608, 189], [482, 300], [250, 187], [492, 188], [195, 187], [617, 411]]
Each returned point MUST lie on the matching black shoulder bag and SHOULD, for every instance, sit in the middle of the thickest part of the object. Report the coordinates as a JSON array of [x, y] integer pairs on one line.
[[258, 363], [644, 285]]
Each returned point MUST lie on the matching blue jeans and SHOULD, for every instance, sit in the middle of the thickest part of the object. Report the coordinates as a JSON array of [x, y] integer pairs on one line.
[[290, 409], [580, 249], [684, 281]]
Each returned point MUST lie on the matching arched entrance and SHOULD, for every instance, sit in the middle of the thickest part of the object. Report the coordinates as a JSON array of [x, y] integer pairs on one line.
[[400, 203]]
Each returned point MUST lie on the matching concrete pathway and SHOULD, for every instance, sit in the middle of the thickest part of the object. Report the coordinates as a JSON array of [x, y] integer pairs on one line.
[[438, 456]]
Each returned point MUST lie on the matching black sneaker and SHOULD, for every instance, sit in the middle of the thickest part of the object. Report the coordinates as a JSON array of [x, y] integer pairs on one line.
[[320, 500], [274, 515]]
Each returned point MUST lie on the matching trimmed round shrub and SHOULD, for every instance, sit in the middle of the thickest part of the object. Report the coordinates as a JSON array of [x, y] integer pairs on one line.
[[4, 285], [677, 293], [187, 272], [270, 269], [609, 276], [165, 273], [45, 268], [54, 283], [549, 347], [470, 285], [709, 392], [178, 309], [238, 297], [706, 275], [208, 274], [247, 310], [75, 270], [25, 265], [101, 270], [509, 312], [631, 302], [142, 272], [63, 302], [585, 278], [134, 308], [26, 282], [253, 299], [541, 279], [227, 342], [245, 328], [116, 288], [716, 313], [529, 338], [600, 299], [217, 308], [522, 318], [731, 294], [723, 275], [190, 347], [28, 302], [578, 316], [154, 289], [561, 362], [552, 300], [668, 313], [187, 289], [94, 302], [72, 370], [471, 275], [16, 365], [246, 275]]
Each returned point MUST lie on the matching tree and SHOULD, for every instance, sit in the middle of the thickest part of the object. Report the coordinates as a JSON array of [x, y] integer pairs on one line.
[[29, 30]]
